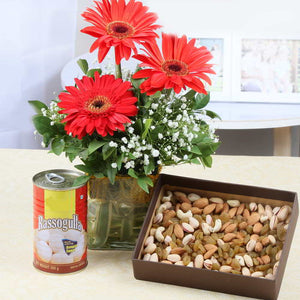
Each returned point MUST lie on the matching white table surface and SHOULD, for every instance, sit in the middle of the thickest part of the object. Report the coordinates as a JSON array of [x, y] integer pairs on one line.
[[109, 273]]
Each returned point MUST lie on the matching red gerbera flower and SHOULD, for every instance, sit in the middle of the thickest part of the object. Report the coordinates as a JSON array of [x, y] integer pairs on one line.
[[120, 25], [179, 65], [103, 104]]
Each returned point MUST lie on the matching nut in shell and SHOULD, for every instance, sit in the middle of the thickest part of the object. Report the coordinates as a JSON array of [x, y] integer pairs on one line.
[[174, 258], [248, 260], [225, 269], [216, 200], [233, 203], [199, 260], [250, 245], [193, 197], [188, 239], [207, 264]]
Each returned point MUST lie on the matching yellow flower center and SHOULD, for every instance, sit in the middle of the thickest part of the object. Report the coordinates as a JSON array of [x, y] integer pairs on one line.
[[175, 67], [119, 29], [98, 104]]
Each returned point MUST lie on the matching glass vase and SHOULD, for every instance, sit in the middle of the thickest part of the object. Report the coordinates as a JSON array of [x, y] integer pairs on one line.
[[116, 212]]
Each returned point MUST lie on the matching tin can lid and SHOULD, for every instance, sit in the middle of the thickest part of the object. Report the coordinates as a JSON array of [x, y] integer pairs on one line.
[[58, 179]]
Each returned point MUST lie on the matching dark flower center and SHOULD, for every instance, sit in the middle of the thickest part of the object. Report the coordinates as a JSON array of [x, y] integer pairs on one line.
[[175, 67], [98, 104], [119, 29]]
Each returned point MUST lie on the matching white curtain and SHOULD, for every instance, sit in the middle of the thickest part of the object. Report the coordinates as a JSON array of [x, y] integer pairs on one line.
[[37, 38]]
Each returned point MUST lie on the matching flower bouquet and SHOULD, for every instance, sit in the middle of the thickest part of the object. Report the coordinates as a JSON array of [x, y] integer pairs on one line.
[[130, 125]]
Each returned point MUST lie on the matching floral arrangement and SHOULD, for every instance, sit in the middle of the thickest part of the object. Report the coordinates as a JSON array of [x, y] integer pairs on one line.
[[132, 126]]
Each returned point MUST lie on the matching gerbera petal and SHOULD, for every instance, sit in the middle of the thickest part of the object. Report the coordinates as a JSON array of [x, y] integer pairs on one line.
[[121, 25], [102, 104]]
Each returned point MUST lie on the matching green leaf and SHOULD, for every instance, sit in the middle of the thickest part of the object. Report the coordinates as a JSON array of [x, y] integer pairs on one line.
[[136, 82], [83, 168], [58, 145], [207, 161], [120, 160], [111, 173], [83, 64], [47, 139], [143, 182], [71, 156], [132, 173], [84, 154], [81, 180], [91, 72], [107, 151], [212, 114], [208, 148], [42, 125], [99, 175], [37, 105], [201, 101], [195, 161], [190, 95], [95, 145], [147, 126], [196, 150]]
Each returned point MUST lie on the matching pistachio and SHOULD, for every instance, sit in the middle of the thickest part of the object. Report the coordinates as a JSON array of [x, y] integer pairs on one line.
[[174, 258], [150, 248], [273, 222], [179, 263], [257, 274], [260, 209], [167, 262], [248, 260], [158, 218], [154, 257], [216, 200], [278, 255], [225, 269], [194, 222], [187, 227], [167, 240], [205, 228], [272, 239], [276, 210], [199, 261], [263, 218], [187, 239], [209, 219], [208, 264], [246, 271], [268, 211], [283, 213], [149, 240], [270, 276], [147, 257], [253, 206], [250, 245], [193, 197], [240, 259], [233, 203]]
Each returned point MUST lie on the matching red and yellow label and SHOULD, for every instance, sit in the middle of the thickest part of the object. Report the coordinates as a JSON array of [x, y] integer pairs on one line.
[[60, 223]]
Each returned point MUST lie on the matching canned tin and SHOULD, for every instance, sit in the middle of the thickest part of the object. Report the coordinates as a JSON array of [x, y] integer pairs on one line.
[[59, 222]]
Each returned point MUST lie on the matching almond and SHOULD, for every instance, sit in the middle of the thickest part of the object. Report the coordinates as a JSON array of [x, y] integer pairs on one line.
[[232, 212], [219, 208], [257, 227], [209, 209], [182, 197], [210, 246], [258, 247], [209, 253], [225, 225], [230, 228], [225, 208], [253, 218], [168, 214], [265, 241], [229, 237], [266, 259], [178, 250], [201, 203], [240, 209], [196, 211], [186, 206], [243, 225], [246, 213], [178, 231]]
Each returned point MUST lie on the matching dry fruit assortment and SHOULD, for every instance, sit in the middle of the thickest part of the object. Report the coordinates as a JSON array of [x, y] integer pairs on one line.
[[211, 233]]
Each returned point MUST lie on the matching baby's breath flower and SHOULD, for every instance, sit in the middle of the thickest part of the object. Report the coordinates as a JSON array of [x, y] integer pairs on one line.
[[112, 144], [155, 153], [124, 140], [160, 136], [154, 106], [114, 165]]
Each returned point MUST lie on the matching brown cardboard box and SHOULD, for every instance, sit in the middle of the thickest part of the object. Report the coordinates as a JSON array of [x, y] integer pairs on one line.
[[207, 279]]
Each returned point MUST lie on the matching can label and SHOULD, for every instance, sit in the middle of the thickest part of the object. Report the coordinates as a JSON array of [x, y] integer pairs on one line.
[[60, 229]]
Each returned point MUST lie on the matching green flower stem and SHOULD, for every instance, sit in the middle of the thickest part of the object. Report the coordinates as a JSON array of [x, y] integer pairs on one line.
[[118, 71]]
